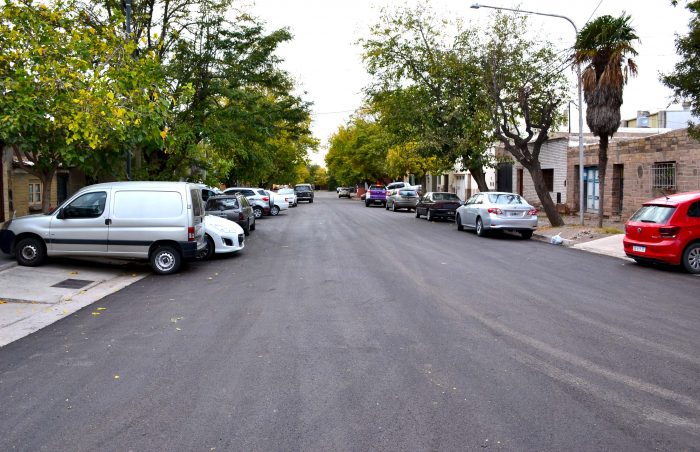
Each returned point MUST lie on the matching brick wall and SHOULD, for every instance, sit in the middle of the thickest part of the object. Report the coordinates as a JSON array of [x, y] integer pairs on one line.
[[635, 158]]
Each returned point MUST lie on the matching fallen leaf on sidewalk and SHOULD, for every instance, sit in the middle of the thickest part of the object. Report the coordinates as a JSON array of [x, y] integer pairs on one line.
[[101, 309], [72, 273], [95, 314]]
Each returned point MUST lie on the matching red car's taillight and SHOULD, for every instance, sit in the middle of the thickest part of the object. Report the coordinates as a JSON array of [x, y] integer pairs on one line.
[[532, 212], [669, 231], [190, 234], [495, 210]]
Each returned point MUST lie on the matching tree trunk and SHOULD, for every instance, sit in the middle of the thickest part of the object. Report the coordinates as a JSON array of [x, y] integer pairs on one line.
[[46, 178], [543, 194], [480, 177], [602, 167]]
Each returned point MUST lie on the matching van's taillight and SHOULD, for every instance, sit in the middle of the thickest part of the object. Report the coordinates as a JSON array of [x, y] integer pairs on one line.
[[669, 231], [495, 210], [190, 234]]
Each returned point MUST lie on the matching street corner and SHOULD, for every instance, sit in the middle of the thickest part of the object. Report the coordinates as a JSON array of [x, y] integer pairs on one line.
[[34, 297]]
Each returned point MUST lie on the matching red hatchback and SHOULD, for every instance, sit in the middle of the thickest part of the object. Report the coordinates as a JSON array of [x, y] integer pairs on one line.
[[667, 230]]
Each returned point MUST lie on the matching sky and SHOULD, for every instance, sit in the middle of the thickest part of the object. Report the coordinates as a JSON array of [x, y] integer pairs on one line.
[[326, 62]]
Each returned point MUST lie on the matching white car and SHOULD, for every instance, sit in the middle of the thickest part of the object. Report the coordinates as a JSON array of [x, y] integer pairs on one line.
[[222, 236], [277, 202], [290, 196]]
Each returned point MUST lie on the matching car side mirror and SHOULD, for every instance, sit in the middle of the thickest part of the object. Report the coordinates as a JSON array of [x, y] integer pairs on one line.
[[61, 215]]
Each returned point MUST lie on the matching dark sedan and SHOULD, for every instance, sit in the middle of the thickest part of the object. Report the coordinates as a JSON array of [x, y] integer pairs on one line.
[[233, 207], [436, 204]]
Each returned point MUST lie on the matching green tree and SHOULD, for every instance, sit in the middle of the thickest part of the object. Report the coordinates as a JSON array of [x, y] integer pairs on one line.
[[604, 46], [357, 152], [427, 88], [527, 93], [73, 94], [684, 80], [403, 159]]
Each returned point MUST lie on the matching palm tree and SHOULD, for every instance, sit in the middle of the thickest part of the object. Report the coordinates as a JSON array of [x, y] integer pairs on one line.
[[604, 45]]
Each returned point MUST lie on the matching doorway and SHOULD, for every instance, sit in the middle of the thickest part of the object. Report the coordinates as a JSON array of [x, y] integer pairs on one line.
[[591, 188]]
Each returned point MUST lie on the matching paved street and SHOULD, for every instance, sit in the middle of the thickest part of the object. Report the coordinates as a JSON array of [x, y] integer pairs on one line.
[[341, 327]]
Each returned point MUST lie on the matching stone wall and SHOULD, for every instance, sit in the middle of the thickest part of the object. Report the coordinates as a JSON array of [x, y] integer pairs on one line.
[[633, 159]]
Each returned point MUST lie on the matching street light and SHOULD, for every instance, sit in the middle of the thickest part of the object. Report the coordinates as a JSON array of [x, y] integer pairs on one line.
[[580, 103]]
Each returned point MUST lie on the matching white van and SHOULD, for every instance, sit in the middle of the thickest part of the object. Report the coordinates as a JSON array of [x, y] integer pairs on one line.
[[158, 221]]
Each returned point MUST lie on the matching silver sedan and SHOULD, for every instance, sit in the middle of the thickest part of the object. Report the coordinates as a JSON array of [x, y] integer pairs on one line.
[[490, 211]]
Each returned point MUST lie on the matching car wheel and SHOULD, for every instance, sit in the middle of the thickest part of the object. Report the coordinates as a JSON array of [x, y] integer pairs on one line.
[[258, 212], [30, 252], [366, 204], [165, 260], [208, 250], [386, 206], [458, 220], [527, 235], [393, 207], [691, 258], [480, 228], [417, 214], [311, 201], [246, 229], [252, 226], [275, 211], [429, 215]]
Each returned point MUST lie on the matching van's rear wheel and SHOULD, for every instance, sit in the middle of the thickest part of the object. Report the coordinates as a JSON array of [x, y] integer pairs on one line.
[[165, 260], [30, 252]]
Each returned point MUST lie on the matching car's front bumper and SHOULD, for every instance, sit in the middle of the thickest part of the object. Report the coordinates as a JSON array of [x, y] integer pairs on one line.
[[226, 243]]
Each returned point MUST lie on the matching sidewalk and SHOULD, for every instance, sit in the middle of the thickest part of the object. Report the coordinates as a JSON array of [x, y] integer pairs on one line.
[[587, 237], [32, 298]]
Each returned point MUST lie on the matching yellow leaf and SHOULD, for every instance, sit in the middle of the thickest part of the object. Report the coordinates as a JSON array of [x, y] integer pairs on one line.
[[101, 309], [95, 314], [3, 302], [116, 377]]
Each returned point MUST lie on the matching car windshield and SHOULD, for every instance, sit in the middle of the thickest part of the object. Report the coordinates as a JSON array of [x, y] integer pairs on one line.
[[506, 198], [653, 214], [302, 188]]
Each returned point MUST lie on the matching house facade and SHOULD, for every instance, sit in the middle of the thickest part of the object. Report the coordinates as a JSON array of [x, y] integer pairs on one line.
[[638, 169]]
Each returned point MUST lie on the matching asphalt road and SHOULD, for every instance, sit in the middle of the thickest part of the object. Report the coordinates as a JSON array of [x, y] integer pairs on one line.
[[341, 327]]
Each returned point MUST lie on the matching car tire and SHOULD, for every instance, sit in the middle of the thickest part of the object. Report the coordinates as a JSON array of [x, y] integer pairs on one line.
[[274, 211], [311, 201], [252, 226], [386, 206], [480, 228], [30, 252], [691, 258], [527, 235], [208, 252], [417, 214], [429, 215], [258, 212], [165, 260], [393, 207], [366, 204], [458, 220]]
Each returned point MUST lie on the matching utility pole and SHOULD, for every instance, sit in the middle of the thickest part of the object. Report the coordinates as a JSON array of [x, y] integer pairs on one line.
[[128, 36]]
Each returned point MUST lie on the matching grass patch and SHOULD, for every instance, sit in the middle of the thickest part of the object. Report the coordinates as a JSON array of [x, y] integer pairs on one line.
[[609, 230]]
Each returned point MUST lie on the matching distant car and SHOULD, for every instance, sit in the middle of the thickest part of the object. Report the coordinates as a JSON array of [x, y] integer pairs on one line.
[[344, 192], [376, 194], [501, 211], [208, 192], [257, 197], [305, 192], [438, 204], [222, 237], [666, 229], [402, 198], [277, 203], [289, 195], [234, 207]]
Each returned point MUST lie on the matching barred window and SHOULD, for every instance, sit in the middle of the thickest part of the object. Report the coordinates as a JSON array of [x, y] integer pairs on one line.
[[34, 193], [663, 175]]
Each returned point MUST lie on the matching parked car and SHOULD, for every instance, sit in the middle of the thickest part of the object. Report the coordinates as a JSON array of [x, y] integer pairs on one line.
[[277, 202], [234, 207], [289, 195], [376, 194], [305, 192], [158, 221], [501, 211], [402, 198], [208, 192], [257, 197], [396, 185], [438, 204], [344, 192], [666, 229], [222, 236]]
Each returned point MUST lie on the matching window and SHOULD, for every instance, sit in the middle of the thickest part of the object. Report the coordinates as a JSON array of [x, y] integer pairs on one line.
[[89, 205], [663, 175], [694, 210], [34, 193], [548, 176], [653, 214]]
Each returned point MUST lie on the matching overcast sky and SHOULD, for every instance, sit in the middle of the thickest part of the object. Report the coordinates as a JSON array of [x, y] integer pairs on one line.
[[325, 61]]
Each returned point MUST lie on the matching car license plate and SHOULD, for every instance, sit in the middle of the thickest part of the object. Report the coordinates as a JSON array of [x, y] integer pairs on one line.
[[639, 249], [514, 214]]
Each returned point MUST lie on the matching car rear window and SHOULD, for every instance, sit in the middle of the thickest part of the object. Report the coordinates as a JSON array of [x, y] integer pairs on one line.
[[407, 193], [376, 187], [508, 198], [653, 214], [222, 204]]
